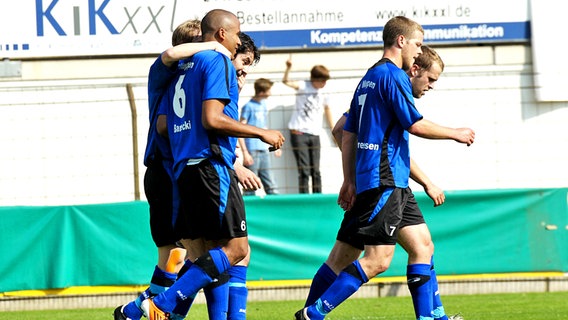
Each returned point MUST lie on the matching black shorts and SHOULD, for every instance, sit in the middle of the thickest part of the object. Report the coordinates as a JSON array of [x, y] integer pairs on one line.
[[377, 216], [158, 190], [211, 203]]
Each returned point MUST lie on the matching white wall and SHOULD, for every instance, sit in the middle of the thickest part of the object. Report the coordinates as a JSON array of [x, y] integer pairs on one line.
[[66, 125]]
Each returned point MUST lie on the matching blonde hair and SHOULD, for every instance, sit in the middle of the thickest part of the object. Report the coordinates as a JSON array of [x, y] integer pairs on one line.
[[188, 31], [397, 26], [428, 58]]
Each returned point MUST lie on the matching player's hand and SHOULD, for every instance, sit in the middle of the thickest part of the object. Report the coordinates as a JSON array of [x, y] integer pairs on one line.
[[436, 194], [247, 178], [465, 135], [241, 79], [247, 159], [274, 138], [347, 195]]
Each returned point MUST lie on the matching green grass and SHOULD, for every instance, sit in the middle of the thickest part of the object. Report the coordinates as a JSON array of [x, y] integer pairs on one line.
[[522, 306]]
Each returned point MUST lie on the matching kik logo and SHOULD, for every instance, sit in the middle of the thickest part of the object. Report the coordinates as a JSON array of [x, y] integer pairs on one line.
[[46, 18]]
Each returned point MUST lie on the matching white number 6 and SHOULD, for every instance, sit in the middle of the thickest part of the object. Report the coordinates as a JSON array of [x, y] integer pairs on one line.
[[179, 98]]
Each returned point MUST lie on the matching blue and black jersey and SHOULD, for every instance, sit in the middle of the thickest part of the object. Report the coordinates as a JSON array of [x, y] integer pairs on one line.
[[206, 75], [159, 77], [381, 111]]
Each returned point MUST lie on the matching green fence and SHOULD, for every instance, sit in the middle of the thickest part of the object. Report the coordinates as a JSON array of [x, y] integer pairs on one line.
[[486, 231]]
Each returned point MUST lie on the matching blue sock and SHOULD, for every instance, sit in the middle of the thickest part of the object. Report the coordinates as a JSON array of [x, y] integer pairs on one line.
[[238, 293], [182, 308], [161, 281], [217, 297], [346, 284], [418, 280], [200, 274], [323, 278], [438, 309]]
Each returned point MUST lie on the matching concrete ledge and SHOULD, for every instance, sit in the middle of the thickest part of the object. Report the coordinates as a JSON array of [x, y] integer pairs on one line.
[[375, 288]]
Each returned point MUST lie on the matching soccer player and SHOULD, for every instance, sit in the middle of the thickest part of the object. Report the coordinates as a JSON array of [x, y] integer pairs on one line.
[[158, 187], [227, 296], [202, 127], [413, 236], [376, 166]]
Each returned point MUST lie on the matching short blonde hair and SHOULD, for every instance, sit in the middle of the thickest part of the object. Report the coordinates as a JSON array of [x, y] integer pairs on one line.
[[188, 31]]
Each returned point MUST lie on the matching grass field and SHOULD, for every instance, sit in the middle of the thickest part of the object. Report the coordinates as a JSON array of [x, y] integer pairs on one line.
[[521, 306]]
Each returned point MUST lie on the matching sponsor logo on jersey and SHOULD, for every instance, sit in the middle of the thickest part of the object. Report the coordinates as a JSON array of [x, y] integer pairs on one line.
[[368, 146]]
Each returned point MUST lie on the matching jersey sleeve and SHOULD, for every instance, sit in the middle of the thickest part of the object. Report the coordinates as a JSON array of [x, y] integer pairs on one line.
[[163, 106], [351, 124], [403, 101], [159, 76], [218, 75]]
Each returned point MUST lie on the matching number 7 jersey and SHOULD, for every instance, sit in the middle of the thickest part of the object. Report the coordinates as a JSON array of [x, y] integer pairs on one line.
[[381, 111]]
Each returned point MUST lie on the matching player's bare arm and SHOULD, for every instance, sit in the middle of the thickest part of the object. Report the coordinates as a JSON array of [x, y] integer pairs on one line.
[[348, 190], [186, 50], [213, 118], [434, 192], [429, 130], [337, 131]]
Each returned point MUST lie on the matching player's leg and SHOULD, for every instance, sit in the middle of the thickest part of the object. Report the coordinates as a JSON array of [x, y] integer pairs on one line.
[[347, 249], [159, 192], [217, 297], [416, 241], [202, 193], [342, 254], [438, 308], [376, 260], [194, 248], [238, 292], [374, 220]]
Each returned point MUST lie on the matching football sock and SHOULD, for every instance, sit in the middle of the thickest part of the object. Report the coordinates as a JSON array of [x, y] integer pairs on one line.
[[182, 308], [201, 273], [238, 293], [418, 278], [161, 281], [346, 284], [323, 278], [438, 309], [217, 297]]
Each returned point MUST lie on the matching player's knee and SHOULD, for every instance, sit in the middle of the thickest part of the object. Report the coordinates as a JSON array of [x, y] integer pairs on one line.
[[421, 252], [237, 252]]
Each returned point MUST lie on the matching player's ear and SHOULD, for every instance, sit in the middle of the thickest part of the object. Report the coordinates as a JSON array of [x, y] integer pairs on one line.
[[414, 70], [221, 34]]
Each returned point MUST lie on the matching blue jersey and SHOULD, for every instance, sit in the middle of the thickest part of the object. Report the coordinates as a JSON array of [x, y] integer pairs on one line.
[[255, 113], [206, 75], [381, 111], [157, 147]]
